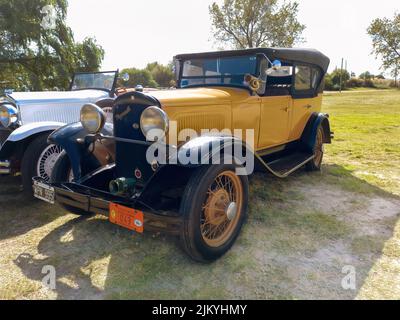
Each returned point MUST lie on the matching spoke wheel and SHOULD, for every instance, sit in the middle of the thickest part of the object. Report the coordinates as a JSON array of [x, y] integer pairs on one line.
[[319, 148], [221, 210], [214, 209], [47, 160], [316, 163]]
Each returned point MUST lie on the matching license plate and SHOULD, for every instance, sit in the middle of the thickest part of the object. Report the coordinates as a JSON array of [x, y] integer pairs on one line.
[[126, 217], [43, 192]]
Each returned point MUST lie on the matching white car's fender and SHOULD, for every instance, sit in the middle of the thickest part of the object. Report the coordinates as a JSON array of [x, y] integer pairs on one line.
[[33, 128]]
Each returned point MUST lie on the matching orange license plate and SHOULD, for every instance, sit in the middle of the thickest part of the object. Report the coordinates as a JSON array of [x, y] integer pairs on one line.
[[126, 217]]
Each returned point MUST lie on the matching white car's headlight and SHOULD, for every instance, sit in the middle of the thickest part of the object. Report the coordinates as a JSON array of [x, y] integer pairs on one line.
[[154, 123], [8, 115], [93, 118]]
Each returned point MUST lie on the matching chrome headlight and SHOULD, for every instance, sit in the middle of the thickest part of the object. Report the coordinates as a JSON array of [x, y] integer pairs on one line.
[[154, 123], [8, 115], [93, 118]]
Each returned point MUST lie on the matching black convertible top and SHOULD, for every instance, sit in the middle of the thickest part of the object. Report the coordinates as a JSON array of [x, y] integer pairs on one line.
[[308, 56]]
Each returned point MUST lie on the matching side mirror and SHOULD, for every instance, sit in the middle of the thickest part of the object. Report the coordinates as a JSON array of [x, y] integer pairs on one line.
[[276, 65]]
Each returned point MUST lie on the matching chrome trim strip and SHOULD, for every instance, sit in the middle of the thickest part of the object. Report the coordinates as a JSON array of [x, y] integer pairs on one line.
[[5, 164]]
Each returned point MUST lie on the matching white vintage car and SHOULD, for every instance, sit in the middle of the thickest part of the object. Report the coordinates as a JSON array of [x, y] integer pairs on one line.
[[27, 119]]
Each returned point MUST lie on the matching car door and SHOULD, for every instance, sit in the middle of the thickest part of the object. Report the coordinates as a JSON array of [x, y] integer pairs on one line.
[[305, 99], [274, 125]]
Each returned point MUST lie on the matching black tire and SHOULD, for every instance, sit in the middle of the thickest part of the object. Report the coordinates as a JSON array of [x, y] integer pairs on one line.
[[61, 173], [193, 200], [316, 163], [61, 169], [29, 162]]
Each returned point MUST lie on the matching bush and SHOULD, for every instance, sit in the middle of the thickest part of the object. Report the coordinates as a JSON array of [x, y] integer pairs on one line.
[[393, 84], [369, 84], [354, 83], [328, 83]]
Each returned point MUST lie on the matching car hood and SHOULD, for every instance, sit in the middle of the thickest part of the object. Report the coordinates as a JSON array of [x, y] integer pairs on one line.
[[199, 96], [56, 96]]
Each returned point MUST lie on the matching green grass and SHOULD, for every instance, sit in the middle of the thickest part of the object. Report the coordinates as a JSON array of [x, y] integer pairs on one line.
[[367, 136], [300, 233]]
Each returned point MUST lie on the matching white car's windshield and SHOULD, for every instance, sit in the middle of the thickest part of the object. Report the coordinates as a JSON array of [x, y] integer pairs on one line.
[[217, 71], [96, 80]]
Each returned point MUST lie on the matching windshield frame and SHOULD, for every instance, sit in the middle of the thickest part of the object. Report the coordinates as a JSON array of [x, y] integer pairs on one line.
[[116, 72], [181, 63]]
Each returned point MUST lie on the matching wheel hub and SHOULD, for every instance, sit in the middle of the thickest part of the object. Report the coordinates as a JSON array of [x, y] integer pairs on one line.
[[231, 211], [217, 207]]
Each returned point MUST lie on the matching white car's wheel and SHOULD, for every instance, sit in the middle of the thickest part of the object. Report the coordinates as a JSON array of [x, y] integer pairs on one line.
[[47, 160], [38, 161]]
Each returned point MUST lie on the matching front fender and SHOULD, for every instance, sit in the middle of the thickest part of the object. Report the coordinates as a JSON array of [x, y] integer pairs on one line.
[[31, 129], [20, 138], [78, 153], [216, 150]]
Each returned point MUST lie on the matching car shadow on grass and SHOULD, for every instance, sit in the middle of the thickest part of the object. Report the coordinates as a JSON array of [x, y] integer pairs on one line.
[[20, 213], [301, 233]]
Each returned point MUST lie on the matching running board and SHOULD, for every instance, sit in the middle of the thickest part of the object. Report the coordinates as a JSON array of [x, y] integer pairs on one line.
[[285, 166]]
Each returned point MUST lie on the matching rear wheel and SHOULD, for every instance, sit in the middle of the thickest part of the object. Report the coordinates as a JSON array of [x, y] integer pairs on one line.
[[38, 161], [62, 172], [214, 208], [316, 163]]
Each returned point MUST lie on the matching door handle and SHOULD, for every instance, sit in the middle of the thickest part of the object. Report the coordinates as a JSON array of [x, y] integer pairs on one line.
[[285, 109], [308, 106]]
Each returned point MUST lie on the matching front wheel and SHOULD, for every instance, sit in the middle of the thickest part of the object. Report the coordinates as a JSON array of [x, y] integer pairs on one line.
[[214, 208], [38, 161], [62, 172]]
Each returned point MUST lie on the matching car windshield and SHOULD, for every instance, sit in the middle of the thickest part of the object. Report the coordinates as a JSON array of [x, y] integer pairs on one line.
[[218, 71], [96, 80]]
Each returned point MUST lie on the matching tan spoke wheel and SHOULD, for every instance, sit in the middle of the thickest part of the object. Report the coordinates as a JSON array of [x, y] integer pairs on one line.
[[319, 148], [222, 209]]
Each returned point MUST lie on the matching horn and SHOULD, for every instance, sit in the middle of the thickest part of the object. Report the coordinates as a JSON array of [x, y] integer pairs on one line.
[[253, 82]]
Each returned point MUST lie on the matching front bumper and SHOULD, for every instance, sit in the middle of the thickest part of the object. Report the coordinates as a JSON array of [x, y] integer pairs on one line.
[[98, 202]]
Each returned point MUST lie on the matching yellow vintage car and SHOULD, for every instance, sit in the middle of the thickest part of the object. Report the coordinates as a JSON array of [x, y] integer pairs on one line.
[[178, 161]]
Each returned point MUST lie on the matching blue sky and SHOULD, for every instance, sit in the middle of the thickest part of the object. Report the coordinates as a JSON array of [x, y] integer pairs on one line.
[[134, 33]]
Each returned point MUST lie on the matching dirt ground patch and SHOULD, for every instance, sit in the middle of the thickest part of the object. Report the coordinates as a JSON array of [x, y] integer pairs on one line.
[[296, 243]]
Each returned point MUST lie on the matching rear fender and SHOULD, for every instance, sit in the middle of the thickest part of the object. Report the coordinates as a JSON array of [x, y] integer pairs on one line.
[[310, 132]]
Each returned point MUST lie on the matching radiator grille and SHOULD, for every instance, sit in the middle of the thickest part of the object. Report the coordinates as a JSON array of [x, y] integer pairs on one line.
[[200, 122]]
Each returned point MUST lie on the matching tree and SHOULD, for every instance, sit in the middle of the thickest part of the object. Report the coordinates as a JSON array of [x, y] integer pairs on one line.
[[138, 77], [385, 34], [163, 75], [38, 47], [332, 81], [366, 75], [256, 23]]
